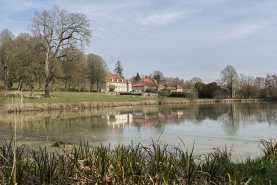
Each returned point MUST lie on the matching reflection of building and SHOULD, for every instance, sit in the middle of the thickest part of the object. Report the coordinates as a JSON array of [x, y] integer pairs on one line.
[[119, 119], [144, 119], [147, 120]]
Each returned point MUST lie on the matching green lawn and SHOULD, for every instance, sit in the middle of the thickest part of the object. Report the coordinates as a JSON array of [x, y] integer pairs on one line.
[[71, 97]]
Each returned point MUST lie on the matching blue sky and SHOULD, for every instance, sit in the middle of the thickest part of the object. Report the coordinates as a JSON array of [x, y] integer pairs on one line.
[[181, 38]]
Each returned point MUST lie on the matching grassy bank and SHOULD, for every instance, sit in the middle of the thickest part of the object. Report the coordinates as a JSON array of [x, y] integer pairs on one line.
[[134, 165], [19, 102], [71, 97]]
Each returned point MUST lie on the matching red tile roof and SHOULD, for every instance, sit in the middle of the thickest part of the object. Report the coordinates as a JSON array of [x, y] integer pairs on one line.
[[128, 81], [170, 86], [147, 82], [140, 85], [115, 78]]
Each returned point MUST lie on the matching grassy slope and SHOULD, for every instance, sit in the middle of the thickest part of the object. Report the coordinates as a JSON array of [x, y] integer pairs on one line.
[[70, 97]]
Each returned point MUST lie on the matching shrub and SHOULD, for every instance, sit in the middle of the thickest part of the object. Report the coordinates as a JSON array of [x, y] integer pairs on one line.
[[178, 95], [125, 93], [112, 88], [166, 92], [84, 89], [149, 89]]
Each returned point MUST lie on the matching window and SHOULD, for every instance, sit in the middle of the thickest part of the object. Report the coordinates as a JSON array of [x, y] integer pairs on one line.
[[112, 80], [116, 80]]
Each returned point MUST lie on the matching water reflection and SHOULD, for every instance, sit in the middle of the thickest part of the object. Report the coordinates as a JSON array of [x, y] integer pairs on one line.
[[231, 115], [211, 121]]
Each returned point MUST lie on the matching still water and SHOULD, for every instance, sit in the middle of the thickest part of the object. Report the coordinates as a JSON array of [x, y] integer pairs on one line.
[[235, 126]]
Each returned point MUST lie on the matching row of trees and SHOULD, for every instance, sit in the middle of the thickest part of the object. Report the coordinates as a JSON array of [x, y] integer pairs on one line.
[[234, 85], [52, 53], [229, 85], [23, 62], [159, 76]]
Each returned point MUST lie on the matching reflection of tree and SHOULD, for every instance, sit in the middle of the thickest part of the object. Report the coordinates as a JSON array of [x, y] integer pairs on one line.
[[271, 113], [231, 123], [231, 115], [137, 125]]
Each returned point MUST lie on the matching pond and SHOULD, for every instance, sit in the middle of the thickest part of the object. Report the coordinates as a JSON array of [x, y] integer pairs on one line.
[[234, 126]]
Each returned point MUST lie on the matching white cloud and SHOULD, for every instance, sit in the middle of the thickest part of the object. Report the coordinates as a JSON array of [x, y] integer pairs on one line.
[[161, 18], [242, 31]]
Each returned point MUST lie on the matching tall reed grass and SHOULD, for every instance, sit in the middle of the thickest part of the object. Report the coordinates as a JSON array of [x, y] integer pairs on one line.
[[155, 164]]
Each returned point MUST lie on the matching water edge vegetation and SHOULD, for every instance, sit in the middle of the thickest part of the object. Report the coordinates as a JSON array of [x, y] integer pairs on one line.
[[130, 164]]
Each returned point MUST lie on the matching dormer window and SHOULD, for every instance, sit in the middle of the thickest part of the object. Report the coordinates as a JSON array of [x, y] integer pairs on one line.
[[116, 80], [121, 80]]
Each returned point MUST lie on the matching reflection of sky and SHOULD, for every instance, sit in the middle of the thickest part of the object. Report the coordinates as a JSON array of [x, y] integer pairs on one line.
[[236, 126]]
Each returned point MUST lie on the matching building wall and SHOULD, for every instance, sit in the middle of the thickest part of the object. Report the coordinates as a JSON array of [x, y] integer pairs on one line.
[[140, 89], [120, 87], [129, 87]]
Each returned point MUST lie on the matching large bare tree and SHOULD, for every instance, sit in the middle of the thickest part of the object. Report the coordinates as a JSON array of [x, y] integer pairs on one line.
[[229, 77], [59, 30]]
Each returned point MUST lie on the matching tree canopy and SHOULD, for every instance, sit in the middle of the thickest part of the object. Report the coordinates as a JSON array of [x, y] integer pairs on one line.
[[97, 70], [58, 30]]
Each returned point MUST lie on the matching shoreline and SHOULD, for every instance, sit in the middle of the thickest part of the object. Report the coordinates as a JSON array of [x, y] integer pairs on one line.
[[20, 107]]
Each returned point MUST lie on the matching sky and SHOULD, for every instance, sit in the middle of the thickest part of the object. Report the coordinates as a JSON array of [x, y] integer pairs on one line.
[[181, 38]]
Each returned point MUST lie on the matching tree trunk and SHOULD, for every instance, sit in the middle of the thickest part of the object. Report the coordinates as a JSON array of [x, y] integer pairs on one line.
[[6, 77], [19, 88], [47, 79], [91, 86], [39, 84], [32, 92], [47, 89], [65, 87]]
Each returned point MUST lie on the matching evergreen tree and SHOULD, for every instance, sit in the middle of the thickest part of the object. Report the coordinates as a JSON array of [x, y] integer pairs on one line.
[[137, 78], [118, 68]]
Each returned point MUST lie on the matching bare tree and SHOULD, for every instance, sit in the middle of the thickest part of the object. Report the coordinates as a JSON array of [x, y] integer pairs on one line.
[[194, 80], [59, 30], [158, 75], [191, 83], [229, 78], [157, 78], [271, 85]]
